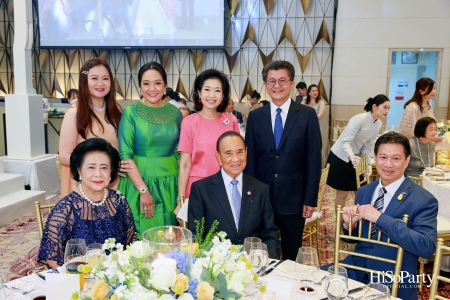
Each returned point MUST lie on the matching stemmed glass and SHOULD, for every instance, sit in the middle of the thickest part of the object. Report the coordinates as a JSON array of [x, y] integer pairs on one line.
[[336, 283], [248, 242], [94, 255], [259, 257], [377, 291], [75, 255], [307, 268]]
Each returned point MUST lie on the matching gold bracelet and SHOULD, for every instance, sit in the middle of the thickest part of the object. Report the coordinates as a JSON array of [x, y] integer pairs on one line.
[[180, 199]]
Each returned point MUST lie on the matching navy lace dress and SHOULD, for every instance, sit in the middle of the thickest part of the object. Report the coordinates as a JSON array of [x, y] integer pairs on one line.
[[74, 217]]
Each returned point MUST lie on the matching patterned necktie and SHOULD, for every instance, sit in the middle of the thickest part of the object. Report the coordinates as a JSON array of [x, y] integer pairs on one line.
[[379, 204], [236, 199], [278, 128]]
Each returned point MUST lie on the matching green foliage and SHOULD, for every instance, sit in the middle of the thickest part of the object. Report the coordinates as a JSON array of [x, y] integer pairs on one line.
[[203, 240], [224, 292]]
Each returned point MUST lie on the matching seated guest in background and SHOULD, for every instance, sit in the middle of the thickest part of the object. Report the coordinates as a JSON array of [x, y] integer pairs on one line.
[[384, 202], [250, 105], [418, 107], [422, 147], [314, 100], [185, 111], [172, 97], [182, 101], [91, 212], [443, 156], [357, 140], [72, 95], [239, 202], [263, 102], [230, 109], [301, 90]]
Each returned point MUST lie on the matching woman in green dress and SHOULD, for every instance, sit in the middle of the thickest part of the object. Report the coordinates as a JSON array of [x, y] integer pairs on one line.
[[149, 131]]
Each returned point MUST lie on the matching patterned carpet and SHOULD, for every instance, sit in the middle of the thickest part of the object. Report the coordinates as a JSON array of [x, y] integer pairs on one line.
[[19, 243]]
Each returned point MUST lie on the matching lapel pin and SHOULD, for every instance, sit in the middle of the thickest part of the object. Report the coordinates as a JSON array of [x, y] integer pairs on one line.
[[249, 193], [400, 197]]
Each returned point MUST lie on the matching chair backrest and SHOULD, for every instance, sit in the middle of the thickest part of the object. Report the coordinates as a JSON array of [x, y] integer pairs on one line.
[[417, 180], [322, 183], [361, 170], [436, 270], [340, 123], [39, 208], [58, 166], [376, 239]]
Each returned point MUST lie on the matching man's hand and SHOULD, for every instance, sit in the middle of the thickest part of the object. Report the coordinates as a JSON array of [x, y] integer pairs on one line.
[[350, 213], [369, 213], [308, 211]]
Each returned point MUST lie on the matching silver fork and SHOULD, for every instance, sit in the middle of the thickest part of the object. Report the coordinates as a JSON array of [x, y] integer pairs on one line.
[[20, 290]]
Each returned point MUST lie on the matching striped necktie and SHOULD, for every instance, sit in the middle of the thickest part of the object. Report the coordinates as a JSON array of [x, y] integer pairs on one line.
[[379, 204]]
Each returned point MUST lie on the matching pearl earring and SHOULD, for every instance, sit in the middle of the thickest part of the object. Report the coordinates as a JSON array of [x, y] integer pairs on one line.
[[80, 177]]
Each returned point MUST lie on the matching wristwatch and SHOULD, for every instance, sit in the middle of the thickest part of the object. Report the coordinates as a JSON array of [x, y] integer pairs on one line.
[[142, 190]]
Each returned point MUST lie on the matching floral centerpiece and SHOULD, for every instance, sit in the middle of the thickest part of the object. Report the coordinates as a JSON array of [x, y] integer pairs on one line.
[[220, 270]]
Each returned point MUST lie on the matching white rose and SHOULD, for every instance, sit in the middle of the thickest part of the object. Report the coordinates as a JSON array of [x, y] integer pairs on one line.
[[140, 249], [166, 297], [197, 268], [229, 266], [243, 276], [186, 296], [216, 258], [235, 286], [162, 277]]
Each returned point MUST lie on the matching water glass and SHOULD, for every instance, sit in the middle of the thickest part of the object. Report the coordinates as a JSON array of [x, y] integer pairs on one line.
[[307, 269], [75, 246], [377, 291], [4, 278], [248, 241], [95, 254], [336, 286], [259, 257]]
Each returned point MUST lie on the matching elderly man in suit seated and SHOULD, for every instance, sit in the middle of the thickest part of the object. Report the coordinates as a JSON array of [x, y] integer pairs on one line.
[[384, 202], [239, 202]]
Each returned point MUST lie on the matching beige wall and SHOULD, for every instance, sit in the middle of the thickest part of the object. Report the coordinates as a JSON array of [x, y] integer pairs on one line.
[[367, 29]]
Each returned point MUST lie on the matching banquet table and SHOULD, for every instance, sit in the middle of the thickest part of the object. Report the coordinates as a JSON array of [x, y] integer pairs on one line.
[[32, 281]]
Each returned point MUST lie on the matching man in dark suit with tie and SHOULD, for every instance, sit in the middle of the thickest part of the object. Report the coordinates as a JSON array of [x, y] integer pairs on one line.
[[385, 202], [239, 202], [284, 146]]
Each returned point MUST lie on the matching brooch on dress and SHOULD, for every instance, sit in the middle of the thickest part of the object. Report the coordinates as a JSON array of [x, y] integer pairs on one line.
[[226, 122]]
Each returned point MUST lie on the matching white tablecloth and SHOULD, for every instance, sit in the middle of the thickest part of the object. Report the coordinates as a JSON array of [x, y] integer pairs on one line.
[[27, 283], [33, 282], [41, 174]]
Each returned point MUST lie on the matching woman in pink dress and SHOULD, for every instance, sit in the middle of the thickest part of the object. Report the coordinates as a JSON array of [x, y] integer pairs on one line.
[[200, 131]]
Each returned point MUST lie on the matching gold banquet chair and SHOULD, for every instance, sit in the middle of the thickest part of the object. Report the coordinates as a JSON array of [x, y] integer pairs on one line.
[[443, 233], [361, 170], [436, 268], [375, 240], [40, 223], [312, 224], [417, 180]]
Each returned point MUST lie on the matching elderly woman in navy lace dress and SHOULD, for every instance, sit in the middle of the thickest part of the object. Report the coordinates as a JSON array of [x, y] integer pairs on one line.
[[91, 212]]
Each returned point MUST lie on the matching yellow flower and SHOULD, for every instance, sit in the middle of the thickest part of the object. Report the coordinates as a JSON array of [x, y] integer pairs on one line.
[[255, 276], [205, 291], [160, 233], [100, 290], [115, 256], [233, 248], [114, 297], [231, 299], [75, 296], [244, 258], [86, 269], [181, 284], [262, 288], [400, 197], [248, 265], [195, 248]]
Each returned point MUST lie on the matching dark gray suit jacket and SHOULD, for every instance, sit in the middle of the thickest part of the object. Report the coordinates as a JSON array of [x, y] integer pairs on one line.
[[209, 199]]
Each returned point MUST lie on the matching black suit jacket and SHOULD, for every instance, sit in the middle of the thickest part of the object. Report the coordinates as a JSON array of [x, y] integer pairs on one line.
[[293, 171], [238, 116], [209, 199]]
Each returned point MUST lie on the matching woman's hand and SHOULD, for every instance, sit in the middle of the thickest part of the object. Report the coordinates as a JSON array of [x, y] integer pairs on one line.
[[147, 205], [125, 167], [177, 209]]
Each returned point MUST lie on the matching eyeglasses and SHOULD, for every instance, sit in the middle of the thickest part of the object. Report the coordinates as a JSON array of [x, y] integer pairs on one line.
[[281, 81]]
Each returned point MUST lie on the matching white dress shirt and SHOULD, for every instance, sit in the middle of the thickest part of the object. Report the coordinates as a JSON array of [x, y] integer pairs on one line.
[[229, 187], [358, 137], [390, 191], [283, 114]]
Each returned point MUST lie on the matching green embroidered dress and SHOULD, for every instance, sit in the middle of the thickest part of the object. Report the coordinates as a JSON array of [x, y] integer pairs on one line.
[[149, 136]]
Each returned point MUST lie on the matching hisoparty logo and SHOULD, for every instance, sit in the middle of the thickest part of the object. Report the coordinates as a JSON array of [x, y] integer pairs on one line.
[[404, 280]]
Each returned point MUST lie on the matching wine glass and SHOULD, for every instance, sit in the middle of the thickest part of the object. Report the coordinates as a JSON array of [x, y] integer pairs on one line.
[[338, 270], [377, 291], [248, 241], [259, 256], [336, 286], [74, 247], [95, 254], [307, 268]]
